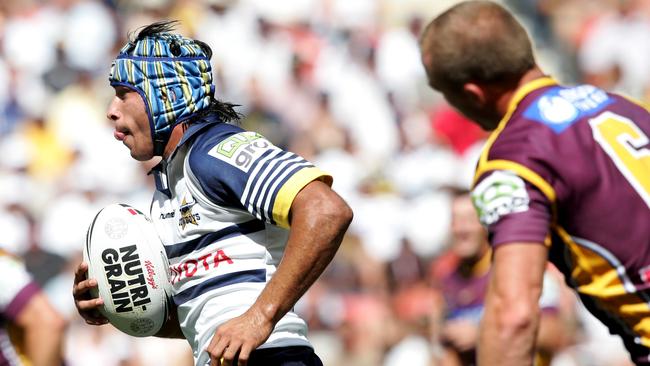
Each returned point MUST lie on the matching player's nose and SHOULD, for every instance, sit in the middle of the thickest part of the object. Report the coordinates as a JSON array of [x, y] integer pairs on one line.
[[112, 113]]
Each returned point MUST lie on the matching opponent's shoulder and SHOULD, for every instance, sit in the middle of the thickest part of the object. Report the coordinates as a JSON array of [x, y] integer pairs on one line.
[[546, 119]]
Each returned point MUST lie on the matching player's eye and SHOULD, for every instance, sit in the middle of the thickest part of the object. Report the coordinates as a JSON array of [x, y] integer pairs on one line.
[[121, 92]]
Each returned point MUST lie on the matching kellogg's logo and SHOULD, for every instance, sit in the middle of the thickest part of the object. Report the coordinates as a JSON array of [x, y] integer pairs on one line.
[[151, 273]]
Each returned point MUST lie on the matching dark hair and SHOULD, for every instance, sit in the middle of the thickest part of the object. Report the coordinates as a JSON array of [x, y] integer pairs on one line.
[[475, 41], [225, 111], [153, 29]]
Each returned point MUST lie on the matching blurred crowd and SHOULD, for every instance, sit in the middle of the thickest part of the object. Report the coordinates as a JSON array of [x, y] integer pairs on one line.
[[337, 81]]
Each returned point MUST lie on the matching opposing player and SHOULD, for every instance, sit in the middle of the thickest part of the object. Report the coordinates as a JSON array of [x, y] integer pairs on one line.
[[464, 285], [31, 330], [565, 176], [247, 226]]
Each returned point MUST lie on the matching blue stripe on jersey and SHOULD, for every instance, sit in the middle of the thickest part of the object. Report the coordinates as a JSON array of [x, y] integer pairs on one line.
[[282, 165], [262, 161], [269, 171], [259, 173], [280, 184], [271, 187], [250, 276], [189, 246]]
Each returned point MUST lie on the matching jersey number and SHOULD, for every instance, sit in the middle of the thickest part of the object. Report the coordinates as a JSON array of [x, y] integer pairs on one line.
[[626, 145]]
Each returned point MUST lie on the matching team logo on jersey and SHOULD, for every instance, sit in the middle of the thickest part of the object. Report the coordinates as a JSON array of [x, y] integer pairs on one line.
[[241, 150], [187, 217], [560, 107], [500, 194]]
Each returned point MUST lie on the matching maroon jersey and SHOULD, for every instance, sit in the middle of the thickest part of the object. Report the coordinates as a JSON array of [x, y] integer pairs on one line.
[[16, 290], [570, 167]]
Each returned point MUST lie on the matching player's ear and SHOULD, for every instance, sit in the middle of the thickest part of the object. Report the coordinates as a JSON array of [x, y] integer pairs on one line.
[[475, 94]]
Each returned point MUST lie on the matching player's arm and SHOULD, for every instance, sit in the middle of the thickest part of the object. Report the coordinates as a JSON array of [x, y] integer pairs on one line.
[[319, 218], [511, 318], [43, 329]]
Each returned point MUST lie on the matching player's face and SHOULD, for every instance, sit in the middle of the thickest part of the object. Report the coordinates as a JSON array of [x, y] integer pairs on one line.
[[468, 236], [131, 122]]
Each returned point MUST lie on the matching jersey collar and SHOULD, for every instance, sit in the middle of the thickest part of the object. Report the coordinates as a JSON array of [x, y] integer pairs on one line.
[[193, 129], [522, 92], [518, 96]]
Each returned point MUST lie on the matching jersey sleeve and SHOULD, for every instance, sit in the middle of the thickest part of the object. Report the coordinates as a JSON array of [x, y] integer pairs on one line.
[[512, 209], [242, 169], [17, 286]]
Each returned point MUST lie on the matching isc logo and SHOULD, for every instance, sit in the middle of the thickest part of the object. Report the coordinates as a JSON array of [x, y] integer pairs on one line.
[[241, 150]]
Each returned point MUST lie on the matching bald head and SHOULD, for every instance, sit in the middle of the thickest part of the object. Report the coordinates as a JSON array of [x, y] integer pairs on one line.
[[475, 41]]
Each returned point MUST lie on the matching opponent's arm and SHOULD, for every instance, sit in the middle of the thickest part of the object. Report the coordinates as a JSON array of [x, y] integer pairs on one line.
[[511, 318], [43, 330], [319, 219]]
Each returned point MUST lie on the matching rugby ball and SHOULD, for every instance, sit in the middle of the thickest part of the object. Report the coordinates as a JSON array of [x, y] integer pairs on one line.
[[127, 258]]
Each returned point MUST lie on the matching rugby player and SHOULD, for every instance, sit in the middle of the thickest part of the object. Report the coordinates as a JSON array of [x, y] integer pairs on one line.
[[564, 176], [31, 330], [462, 276], [247, 227]]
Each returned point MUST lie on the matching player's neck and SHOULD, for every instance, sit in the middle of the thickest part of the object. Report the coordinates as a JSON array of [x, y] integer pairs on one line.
[[503, 102]]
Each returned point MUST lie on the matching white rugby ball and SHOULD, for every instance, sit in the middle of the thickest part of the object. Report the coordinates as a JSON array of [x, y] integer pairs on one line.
[[127, 258]]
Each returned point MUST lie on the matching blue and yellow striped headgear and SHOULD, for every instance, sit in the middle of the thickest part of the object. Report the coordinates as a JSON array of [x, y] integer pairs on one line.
[[173, 76]]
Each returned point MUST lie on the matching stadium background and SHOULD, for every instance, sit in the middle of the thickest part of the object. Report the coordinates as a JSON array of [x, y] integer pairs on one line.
[[337, 81]]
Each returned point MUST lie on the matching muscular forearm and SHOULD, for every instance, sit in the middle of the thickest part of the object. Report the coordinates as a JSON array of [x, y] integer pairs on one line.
[[317, 229], [507, 335], [511, 317]]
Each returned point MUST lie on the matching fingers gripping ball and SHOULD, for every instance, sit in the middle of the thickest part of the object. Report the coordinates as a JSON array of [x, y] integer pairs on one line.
[[128, 260]]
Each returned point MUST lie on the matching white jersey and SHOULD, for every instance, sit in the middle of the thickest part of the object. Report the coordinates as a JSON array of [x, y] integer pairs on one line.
[[221, 208]]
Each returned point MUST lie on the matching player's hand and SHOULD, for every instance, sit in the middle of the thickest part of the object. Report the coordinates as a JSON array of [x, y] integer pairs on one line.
[[87, 306], [461, 334], [235, 339]]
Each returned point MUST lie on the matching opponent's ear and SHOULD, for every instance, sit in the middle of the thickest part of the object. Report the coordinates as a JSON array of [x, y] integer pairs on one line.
[[476, 93]]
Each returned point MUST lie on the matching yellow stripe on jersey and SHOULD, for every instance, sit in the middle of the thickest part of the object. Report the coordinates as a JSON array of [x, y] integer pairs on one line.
[[601, 279], [530, 176], [485, 165], [512, 106], [521, 171], [290, 189]]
